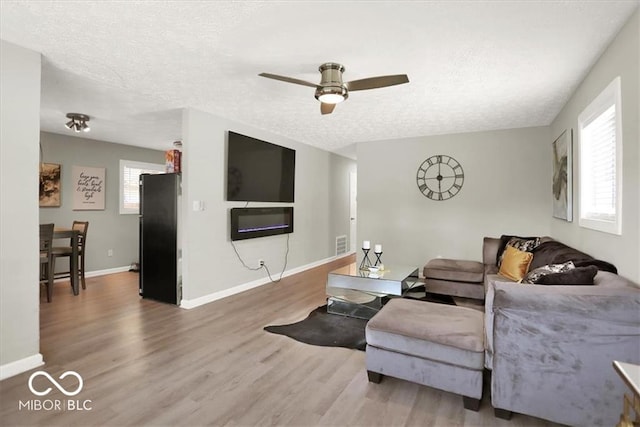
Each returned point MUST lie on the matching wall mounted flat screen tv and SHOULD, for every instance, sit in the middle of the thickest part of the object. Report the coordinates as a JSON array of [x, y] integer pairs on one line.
[[248, 223], [258, 171]]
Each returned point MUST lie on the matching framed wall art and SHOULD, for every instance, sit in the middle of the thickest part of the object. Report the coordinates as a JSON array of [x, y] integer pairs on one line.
[[50, 187], [89, 191], [562, 186]]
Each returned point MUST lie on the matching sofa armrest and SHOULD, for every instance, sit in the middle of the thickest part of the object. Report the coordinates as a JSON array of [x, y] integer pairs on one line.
[[554, 346], [490, 246]]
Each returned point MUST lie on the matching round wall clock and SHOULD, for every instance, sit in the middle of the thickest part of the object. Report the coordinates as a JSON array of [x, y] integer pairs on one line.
[[440, 177]]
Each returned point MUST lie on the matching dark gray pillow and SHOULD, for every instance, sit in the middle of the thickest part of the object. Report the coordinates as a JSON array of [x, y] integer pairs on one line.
[[577, 276]]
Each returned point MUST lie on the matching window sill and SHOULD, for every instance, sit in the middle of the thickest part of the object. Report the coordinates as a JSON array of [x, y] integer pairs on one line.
[[611, 227]]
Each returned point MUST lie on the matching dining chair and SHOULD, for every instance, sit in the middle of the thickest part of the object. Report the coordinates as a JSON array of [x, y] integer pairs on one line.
[[67, 251], [46, 258]]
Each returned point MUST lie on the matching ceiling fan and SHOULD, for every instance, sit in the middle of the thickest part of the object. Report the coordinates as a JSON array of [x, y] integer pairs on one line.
[[332, 90]]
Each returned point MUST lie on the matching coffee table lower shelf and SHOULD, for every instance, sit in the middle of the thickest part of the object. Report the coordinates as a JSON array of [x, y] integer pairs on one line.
[[357, 293], [358, 310]]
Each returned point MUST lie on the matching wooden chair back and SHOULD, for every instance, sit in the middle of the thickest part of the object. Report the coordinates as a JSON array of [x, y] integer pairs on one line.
[[46, 239], [82, 227], [46, 258]]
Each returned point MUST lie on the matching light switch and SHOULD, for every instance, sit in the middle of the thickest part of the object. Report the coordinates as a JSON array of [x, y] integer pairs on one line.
[[198, 205]]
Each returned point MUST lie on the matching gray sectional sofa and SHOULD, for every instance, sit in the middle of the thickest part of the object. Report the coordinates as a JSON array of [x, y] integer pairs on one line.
[[550, 348]]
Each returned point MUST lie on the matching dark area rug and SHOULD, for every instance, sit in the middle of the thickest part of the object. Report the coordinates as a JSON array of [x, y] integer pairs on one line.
[[333, 330]]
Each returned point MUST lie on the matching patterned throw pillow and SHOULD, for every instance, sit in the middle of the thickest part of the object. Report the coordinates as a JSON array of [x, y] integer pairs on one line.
[[524, 245], [535, 275]]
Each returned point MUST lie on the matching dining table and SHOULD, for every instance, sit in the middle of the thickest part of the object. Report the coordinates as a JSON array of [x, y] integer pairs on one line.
[[69, 233]]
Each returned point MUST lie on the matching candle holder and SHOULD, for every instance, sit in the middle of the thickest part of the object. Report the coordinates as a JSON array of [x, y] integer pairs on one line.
[[378, 260], [366, 262]]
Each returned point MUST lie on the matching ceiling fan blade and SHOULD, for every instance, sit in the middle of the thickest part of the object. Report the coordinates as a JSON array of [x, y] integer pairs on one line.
[[376, 82], [288, 79], [327, 108]]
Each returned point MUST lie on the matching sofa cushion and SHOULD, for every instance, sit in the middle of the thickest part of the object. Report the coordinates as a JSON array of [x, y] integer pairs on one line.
[[534, 275], [576, 276], [432, 331], [454, 270], [515, 263]]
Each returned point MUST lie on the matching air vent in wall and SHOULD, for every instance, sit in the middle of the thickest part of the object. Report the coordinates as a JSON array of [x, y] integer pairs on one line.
[[341, 245]]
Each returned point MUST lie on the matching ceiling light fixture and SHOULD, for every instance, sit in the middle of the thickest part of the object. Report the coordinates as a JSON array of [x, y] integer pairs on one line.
[[331, 94], [78, 122]]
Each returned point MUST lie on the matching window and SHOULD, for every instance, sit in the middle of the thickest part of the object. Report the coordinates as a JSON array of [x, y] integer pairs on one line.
[[129, 180], [600, 127]]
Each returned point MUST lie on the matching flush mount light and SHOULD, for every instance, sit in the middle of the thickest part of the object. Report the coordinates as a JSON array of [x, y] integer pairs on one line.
[[331, 94], [78, 122]]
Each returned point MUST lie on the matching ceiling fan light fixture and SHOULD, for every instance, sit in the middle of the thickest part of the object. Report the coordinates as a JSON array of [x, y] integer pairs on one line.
[[332, 94], [333, 90], [331, 98], [78, 122]]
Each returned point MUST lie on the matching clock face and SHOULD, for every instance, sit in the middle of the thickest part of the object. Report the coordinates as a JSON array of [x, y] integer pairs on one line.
[[440, 177]]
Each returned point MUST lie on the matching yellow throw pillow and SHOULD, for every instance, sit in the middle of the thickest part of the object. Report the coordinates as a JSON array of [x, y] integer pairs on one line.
[[515, 263]]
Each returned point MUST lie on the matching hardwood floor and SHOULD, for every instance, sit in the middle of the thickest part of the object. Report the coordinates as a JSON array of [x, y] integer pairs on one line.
[[148, 363]]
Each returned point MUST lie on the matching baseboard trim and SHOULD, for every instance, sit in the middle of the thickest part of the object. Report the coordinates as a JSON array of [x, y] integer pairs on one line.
[[19, 366], [97, 273], [106, 271], [197, 302]]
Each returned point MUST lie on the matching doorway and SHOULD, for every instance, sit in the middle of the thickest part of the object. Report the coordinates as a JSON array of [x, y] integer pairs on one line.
[[353, 208]]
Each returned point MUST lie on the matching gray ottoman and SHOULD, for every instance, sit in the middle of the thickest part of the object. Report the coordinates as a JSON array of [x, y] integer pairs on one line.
[[455, 277], [436, 345]]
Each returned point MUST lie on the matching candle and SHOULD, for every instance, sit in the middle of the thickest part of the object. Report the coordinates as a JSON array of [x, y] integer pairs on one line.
[[366, 244], [377, 249]]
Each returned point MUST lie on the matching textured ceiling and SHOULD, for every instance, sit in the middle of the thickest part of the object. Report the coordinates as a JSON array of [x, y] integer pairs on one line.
[[473, 65]]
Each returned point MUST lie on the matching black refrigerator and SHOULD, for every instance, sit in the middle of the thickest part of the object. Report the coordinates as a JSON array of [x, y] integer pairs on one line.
[[160, 275]]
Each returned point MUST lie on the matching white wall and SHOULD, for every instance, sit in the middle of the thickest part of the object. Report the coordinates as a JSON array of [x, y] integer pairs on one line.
[[19, 287], [621, 58], [209, 263], [506, 190]]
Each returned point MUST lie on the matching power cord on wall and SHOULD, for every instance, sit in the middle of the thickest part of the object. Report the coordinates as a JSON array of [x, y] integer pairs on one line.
[[264, 265]]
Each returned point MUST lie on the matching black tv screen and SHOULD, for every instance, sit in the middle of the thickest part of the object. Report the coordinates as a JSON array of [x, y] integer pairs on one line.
[[258, 171]]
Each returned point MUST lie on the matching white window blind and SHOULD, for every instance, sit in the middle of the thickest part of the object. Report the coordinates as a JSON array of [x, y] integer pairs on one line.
[[601, 162], [130, 172]]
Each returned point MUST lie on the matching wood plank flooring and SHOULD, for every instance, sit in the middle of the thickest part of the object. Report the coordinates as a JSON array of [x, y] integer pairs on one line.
[[152, 364]]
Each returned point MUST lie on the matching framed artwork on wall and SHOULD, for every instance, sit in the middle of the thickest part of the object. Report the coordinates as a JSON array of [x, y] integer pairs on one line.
[[50, 187], [562, 186], [89, 183]]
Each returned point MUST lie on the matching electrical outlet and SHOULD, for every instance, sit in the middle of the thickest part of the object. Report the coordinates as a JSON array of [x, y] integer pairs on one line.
[[110, 252], [261, 262]]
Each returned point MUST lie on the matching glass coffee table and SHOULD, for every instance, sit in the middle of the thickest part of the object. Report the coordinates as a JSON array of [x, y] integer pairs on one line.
[[362, 293]]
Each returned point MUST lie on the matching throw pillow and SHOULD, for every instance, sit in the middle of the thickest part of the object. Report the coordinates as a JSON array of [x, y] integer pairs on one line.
[[504, 239], [577, 276], [526, 244], [515, 263], [534, 275]]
